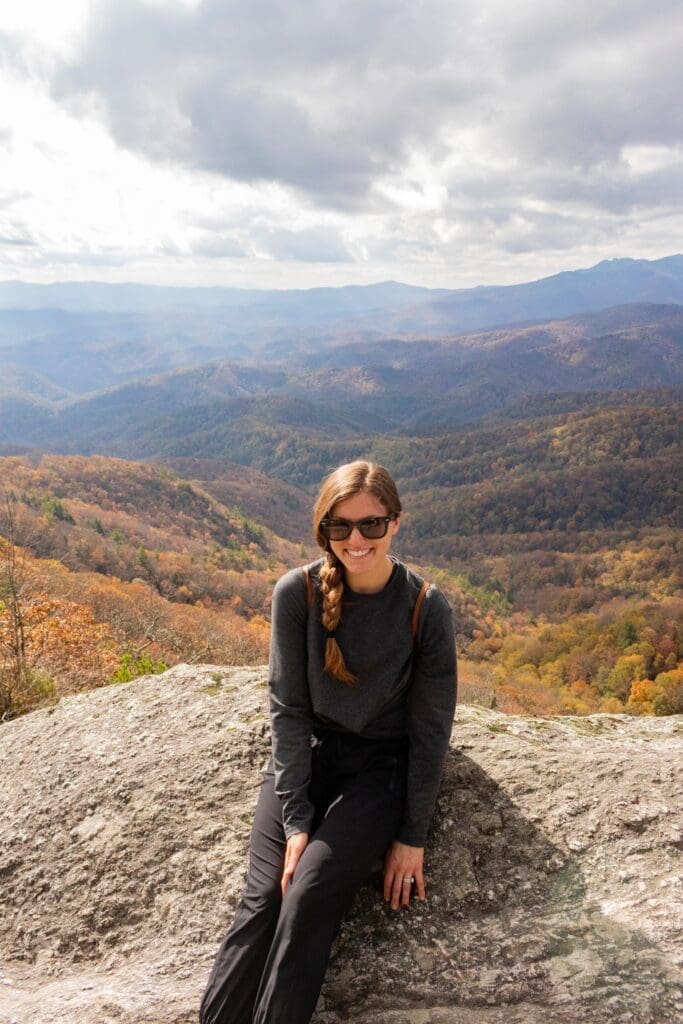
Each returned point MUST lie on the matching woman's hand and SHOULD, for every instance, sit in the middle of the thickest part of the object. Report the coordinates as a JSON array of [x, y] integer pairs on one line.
[[296, 845], [402, 869]]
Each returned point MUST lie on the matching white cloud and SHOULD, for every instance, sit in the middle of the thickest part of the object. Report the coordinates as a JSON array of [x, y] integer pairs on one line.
[[446, 142]]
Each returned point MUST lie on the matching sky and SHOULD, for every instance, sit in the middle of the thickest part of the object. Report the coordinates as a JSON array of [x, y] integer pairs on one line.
[[299, 143]]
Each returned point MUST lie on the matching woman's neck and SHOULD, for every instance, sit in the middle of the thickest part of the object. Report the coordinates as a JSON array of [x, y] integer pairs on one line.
[[370, 583]]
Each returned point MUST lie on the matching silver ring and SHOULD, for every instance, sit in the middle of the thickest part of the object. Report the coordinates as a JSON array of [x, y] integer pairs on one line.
[[408, 881]]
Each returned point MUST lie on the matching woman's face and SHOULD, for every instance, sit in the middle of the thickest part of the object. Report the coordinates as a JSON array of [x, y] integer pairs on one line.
[[366, 560]]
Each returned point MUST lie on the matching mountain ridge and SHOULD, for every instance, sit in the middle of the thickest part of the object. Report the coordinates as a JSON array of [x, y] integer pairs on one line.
[[261, 316], [405, 385]]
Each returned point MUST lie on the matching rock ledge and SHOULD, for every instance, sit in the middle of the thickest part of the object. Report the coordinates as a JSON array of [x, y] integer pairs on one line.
[[551, 866]]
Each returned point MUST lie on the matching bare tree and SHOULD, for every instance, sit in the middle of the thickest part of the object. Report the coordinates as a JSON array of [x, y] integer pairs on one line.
[[15, 583]]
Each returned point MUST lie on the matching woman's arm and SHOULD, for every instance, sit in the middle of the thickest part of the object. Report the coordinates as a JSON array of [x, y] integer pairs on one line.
[[290, 706], [432, 707]]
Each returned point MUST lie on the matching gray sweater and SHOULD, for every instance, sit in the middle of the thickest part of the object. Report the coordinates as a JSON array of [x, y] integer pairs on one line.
[[403, 689]]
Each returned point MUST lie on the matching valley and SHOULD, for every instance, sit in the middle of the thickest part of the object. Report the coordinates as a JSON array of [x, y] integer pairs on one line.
[[156, 496]]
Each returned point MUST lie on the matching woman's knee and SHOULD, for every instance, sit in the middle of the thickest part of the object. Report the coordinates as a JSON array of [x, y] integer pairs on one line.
[[312, 898], [262, 898]]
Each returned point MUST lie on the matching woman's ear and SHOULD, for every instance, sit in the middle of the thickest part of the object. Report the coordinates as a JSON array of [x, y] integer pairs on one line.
[[395, 524]]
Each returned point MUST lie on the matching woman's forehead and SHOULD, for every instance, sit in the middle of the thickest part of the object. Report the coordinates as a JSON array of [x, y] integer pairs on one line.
[[358, 506]]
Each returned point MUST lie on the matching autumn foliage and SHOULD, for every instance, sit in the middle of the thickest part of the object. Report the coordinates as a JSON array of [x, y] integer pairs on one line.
[[65, 627], [110, 569]]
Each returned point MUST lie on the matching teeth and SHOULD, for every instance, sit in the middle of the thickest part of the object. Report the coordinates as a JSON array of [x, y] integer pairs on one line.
[[357, 554]]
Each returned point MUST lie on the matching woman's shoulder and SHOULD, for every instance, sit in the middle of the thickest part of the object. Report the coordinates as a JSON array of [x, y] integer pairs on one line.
[[312, 571], [434, 604], [293, 583], [412, 579]]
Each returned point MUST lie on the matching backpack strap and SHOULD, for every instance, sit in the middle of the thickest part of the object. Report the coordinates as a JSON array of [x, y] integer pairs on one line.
[[309, 587], [416, 610]]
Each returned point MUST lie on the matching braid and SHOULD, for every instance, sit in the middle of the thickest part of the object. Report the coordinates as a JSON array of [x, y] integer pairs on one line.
[[332, 589]]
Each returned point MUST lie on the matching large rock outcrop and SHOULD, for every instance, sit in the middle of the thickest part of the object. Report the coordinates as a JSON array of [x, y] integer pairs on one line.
[[125, 819]]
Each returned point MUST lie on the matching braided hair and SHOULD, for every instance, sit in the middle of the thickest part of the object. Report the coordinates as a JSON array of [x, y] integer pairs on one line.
[[343, 483]]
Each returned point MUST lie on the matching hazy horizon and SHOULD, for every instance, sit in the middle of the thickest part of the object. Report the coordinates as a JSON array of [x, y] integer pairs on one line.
[[365, 284]]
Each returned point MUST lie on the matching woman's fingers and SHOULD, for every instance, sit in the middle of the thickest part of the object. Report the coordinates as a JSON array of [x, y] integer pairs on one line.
[[406, 890], [388, 878], [399, 891], [402, 872], [295, 847]]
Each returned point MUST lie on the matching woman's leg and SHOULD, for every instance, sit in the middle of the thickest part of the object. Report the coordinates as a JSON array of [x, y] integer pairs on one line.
[[357, 828], [237, 969]]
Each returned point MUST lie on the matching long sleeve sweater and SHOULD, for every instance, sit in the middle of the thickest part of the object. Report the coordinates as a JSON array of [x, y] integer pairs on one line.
[[404, 688]]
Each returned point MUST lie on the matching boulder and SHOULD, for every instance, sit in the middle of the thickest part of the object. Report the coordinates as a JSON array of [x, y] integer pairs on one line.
[[551, 866]]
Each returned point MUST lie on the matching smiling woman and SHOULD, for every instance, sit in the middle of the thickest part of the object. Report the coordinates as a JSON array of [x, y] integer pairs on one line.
[[362, 682], [350, 539], [354, 557]]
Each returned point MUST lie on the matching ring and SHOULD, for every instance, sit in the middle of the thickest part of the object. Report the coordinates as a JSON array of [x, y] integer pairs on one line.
[[408, 881]]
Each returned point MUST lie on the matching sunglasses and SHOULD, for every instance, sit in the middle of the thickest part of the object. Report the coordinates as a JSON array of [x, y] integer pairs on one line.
[[373, 528]]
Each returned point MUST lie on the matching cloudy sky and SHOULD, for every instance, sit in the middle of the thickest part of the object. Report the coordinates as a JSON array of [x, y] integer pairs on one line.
[[293, 143]]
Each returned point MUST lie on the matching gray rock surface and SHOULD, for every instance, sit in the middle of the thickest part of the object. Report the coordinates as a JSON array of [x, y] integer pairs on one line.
[[551, 868]]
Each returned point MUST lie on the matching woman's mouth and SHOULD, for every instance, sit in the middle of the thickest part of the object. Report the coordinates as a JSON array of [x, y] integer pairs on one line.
[[358, 554]]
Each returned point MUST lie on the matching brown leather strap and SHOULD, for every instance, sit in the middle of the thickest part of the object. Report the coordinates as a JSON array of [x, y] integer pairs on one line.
[[416, 610], [309, 587]]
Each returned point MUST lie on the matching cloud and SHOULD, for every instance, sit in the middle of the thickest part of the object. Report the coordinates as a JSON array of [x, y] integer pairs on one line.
[[219, 246], [332, 98], [319, 96], [9, 197], [15, 232], [15, 240], [312, 245], [328, 131]]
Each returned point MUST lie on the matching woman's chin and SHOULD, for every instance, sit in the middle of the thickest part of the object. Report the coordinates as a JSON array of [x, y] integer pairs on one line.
[[359, 564]]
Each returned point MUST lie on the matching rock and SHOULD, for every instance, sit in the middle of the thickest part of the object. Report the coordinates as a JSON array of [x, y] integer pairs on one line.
[[551, 867]]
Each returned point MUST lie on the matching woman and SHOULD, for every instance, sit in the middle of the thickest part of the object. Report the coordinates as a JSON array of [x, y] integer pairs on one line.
[[361, 715]]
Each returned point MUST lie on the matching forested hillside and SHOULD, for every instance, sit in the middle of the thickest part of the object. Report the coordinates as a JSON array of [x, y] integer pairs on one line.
[[539, 466], [110, 569], [556, 539], [562, 528], [336, 387]]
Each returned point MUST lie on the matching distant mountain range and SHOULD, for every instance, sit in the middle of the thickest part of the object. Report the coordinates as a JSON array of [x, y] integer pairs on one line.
[[289, 382], [311, 305], [336, 394], [609, 283]]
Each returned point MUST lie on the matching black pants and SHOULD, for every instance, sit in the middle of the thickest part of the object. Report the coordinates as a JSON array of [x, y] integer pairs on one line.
[[270, 966]]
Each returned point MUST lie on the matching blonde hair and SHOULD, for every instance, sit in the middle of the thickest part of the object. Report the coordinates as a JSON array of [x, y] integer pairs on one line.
[[344, 482]]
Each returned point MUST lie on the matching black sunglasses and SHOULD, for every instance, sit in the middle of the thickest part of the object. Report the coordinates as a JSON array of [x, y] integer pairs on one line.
[[372, 528]]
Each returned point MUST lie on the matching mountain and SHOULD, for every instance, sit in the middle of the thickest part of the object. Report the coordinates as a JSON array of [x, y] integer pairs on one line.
[[553, 535], [99, 513], [303, 305], [343, 392], [281, 506], [539, 464], [610, 283], [370, 307]]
